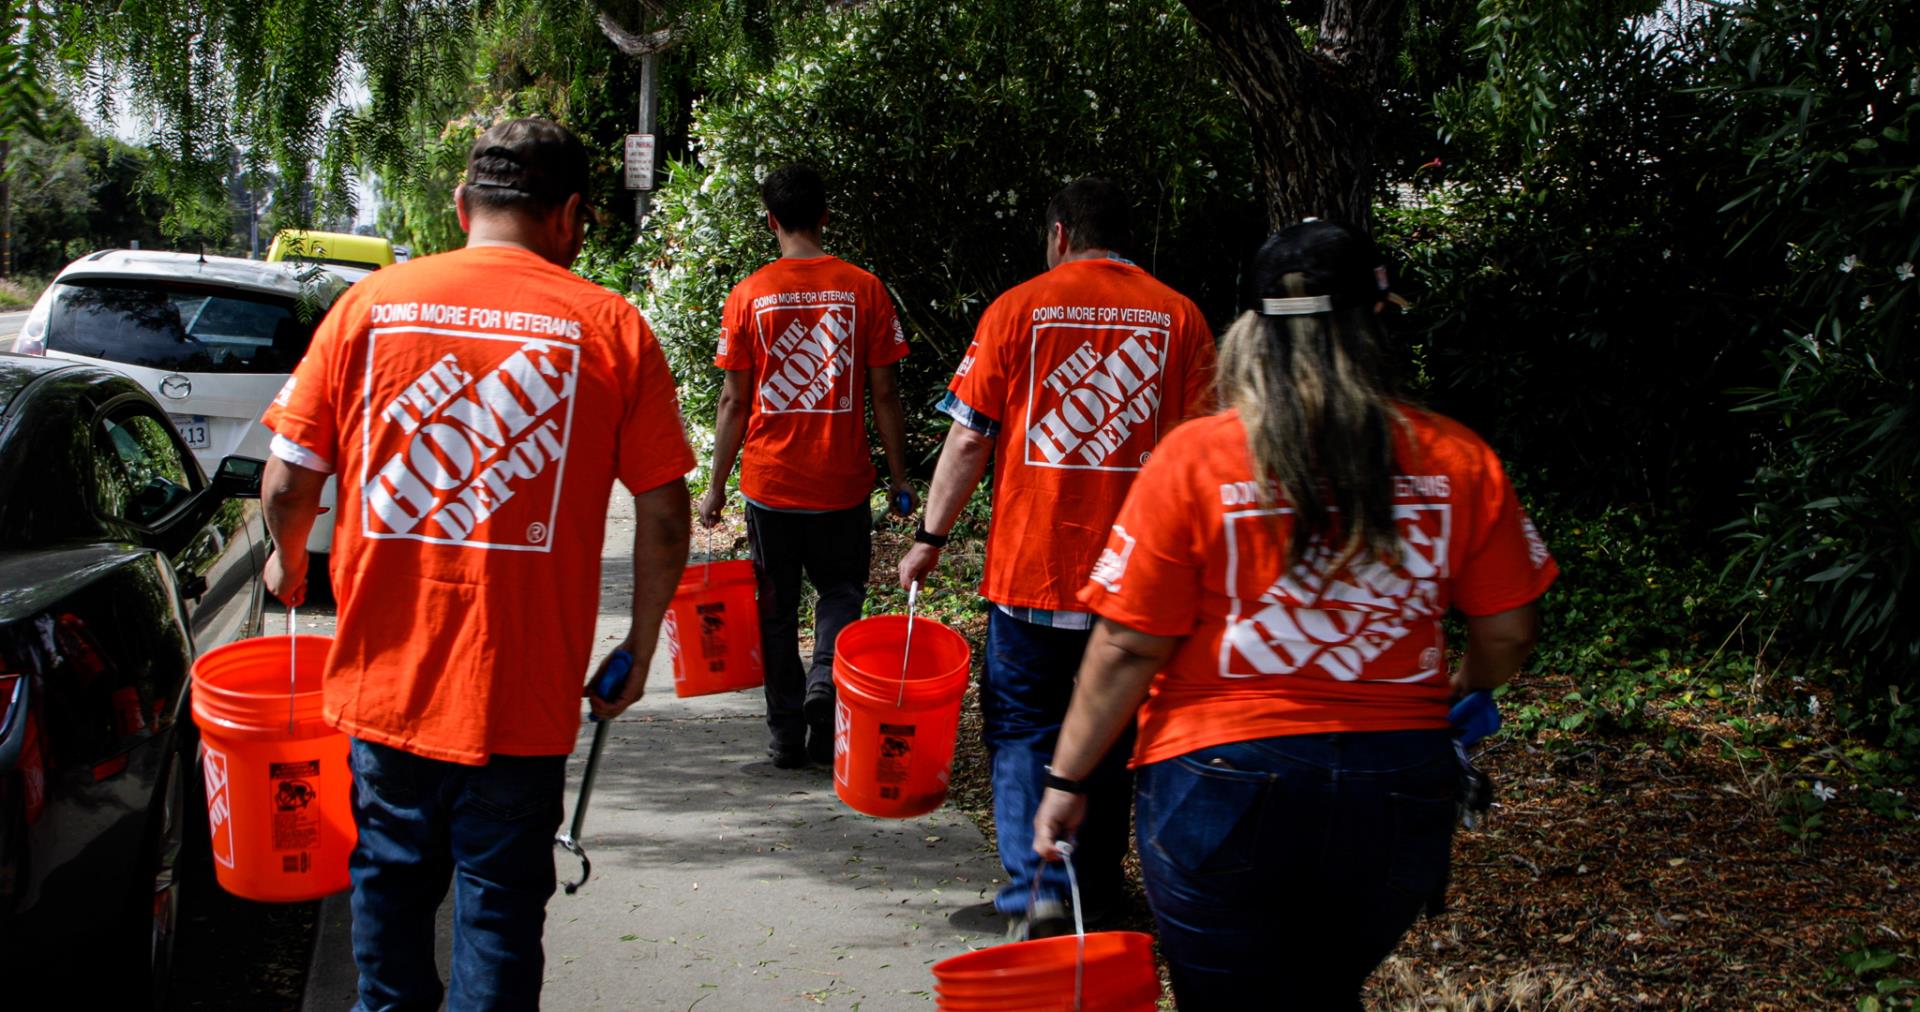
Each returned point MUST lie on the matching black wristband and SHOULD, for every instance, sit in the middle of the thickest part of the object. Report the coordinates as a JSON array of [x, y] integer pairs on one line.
[[1059, 783], [927, 537]]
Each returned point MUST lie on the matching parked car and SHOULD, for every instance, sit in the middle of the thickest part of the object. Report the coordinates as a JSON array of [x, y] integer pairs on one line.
[[213, 338], [120, 561]]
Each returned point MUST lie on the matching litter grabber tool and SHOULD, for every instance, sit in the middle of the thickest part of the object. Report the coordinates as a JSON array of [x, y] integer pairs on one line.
[[1473, 718], [608, 685], [913, 606]]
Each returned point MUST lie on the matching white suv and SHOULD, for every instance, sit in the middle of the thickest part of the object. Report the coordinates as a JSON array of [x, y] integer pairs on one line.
[[212, 338]]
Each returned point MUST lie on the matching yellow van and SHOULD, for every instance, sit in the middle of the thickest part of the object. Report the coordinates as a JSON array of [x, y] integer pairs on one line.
[[335, 249]]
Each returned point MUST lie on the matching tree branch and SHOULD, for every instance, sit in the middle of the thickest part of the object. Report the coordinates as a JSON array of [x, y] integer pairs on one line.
[[633, 43]]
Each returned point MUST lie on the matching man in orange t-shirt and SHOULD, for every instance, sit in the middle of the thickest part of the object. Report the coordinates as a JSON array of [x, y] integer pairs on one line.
[[477, 407], [802, 339], [1086, 367]]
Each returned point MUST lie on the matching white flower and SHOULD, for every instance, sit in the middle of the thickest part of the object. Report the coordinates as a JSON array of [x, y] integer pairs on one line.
[[1823, 792], [1866, 302], [1904, 272], [1813, 706], [1847, 265], [1666, 254]]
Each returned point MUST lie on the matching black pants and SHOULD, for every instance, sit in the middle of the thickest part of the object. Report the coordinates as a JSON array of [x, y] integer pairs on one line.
[[834, 550]]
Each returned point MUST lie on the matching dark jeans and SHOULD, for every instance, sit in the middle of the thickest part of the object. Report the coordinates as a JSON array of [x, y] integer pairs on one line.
[[1282, 871], [487, 829], [834, 550], [1023, 700]]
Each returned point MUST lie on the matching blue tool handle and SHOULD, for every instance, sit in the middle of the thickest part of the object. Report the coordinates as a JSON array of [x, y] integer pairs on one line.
[[1475, 717], [613, 679], [903, 503]]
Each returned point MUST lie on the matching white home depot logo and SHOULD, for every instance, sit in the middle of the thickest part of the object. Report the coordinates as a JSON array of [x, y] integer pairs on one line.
[[1093, 397], [1315, 620], [469, 450], [213, 764], [1112, 564], [806, 343], [842, 733], [670, 635]]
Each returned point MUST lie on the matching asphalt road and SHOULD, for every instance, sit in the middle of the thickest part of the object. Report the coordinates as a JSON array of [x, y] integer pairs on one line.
[[10, 324]]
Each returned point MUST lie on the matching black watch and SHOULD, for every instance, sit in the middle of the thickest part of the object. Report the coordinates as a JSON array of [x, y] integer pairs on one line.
[[1059, 783], [927, 537]]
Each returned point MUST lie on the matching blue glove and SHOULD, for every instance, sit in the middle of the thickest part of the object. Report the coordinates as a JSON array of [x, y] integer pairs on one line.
[[1475, 717], [613, 679]]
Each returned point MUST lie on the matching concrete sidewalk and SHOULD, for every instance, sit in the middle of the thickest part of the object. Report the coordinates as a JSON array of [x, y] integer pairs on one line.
[[724, 883]]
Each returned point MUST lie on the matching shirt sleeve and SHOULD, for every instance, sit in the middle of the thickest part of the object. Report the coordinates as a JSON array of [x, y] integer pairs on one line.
[[977, 396], [653, 446], [304, 416], [886, 339], [1201, 369], [736, 337], [1149, 575], [1506, 563]]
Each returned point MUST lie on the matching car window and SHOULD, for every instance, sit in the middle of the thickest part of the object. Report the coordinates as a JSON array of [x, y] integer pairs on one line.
[[139, 472], [179, 328]]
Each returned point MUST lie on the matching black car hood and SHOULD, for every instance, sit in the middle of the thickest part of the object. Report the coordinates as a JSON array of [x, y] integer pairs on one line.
[[33, 581]]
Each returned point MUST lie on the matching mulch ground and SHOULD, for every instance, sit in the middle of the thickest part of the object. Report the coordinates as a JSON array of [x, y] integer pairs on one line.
[[1613, 873]]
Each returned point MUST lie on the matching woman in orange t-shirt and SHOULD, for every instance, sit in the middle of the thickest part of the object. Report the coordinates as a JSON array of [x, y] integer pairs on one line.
[[1270, 602]]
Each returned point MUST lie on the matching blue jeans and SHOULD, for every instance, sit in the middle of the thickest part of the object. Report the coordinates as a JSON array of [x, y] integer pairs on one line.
[[487, 829], [1023, 700], [1282, 871]]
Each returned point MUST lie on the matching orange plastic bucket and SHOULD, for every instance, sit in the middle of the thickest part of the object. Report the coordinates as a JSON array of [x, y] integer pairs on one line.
[[279, 787], [893, 746], [1117, 975], [712, 630]]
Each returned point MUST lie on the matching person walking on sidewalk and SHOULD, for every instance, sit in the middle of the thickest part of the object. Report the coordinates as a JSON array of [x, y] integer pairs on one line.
[[476, 407], [1086, 367], [1277, 578], [803, 340]]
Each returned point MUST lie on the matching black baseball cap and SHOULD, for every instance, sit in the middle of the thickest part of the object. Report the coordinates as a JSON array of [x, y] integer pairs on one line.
[[535, 158], [1341, 266]]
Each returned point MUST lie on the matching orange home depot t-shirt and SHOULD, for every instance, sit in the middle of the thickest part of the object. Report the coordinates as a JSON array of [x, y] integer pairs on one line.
[[808, 330], [476, 407], [1268, 652], [1083, 369]]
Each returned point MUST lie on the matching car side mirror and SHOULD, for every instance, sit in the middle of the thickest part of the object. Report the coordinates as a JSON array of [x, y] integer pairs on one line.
[[239, 477]]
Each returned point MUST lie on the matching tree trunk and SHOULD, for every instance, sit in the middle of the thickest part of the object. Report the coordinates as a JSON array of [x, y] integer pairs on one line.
[[1314, 111], [6, 211]]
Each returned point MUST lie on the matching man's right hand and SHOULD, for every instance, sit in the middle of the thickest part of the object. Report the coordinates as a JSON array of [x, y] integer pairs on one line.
[[917, 563], [712, 503], [286, 577]]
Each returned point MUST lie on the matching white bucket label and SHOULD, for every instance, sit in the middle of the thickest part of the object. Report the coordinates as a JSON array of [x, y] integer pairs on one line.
[[213, 764], [296, 813], [895, 762]]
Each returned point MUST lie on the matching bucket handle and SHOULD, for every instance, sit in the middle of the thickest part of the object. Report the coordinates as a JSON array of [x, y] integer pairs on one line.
[[1065, 849], [913, 605], [293, 669]]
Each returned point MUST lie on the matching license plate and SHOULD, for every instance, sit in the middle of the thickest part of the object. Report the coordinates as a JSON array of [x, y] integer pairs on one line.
[[195, 430]]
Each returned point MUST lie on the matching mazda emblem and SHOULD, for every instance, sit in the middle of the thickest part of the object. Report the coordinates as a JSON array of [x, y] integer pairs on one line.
[[176, 387]]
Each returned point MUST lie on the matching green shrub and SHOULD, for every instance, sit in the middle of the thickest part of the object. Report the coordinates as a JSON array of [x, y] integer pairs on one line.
[[942, 130], [1820, 105]]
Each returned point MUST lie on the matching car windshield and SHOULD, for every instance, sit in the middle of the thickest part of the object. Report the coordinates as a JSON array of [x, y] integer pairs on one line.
[[182, 328]]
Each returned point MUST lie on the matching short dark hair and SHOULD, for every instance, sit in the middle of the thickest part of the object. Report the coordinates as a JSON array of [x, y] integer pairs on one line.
[[526, 164], [796, 196], [1095, 212]]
